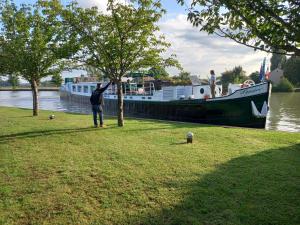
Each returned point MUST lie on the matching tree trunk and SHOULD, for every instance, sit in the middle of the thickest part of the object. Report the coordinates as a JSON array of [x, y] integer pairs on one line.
[[35, 93], [120, 104]]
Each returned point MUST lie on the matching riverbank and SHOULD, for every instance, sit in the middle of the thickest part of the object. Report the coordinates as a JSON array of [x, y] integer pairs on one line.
[[296, 89], [63, 171], [29, 89]]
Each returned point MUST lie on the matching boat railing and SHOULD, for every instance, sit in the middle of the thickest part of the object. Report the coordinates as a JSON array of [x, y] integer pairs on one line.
[[133, 89]]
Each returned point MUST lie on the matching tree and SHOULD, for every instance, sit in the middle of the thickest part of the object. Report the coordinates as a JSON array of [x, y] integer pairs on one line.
[[291, 70], [183, 78], [284, 86], [33, 42], [122, 40], [277, 61], [93, 71], [236, 75], [13, 80], [263, 25], [56, 79], [158, 73], [255, 77]]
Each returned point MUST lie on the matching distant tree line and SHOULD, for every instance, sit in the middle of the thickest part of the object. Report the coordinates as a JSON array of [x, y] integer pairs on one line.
[[290, 67]]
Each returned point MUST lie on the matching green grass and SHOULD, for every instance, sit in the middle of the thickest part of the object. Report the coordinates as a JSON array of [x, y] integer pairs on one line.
[[63, 171]]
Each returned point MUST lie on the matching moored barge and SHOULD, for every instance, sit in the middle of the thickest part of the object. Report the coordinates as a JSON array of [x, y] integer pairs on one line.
[[244, 106]]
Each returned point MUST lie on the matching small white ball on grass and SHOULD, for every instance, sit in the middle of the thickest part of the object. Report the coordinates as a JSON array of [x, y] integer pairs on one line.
[[51, 117], [189, 137]]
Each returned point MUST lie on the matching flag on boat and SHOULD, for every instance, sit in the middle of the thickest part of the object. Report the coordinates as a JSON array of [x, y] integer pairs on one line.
[[268, 74], [262, 71]]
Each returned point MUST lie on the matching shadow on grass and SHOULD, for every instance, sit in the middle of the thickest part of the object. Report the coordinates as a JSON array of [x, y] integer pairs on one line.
[[179, 143], [258, 189], [38, 133]]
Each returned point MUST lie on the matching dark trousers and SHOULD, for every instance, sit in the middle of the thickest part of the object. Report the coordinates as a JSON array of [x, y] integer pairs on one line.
[[213, 89], [97, 109]]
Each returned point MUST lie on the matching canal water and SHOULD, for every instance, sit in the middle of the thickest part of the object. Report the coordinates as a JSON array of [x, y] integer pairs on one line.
[[284, 114]]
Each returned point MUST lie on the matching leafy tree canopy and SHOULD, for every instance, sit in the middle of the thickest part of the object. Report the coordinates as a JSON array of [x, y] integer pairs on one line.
[[261, 24], [13, 80], [93, 71], [284, 86], [56, 80], [183, 75], [291, 70], [33, 41], [183, 78], [159, 73], [124, 39], [255, 77], [277, 61], [236, 75]]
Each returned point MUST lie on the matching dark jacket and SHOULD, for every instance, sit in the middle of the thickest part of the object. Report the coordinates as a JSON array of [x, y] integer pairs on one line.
[[97, 96]]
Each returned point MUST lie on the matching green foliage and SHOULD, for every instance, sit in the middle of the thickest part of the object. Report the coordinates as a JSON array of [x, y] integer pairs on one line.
[[95, 72], [62, 171], [184, 76], [13, 80], [263, 25], [158, 73], [34, 41], [284, 86], [56, 80], [182, 79], [277, 61], [291, 70], [236, 75], [123, 40], [255, 77]]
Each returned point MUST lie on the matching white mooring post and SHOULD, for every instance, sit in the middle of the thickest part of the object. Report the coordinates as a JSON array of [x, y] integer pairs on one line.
[[189, 137]]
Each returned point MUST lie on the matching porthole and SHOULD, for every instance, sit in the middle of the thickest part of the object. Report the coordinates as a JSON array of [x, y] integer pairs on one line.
[[202, 91]]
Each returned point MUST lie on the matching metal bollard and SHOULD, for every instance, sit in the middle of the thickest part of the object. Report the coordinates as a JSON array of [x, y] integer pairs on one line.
[[189, 137]]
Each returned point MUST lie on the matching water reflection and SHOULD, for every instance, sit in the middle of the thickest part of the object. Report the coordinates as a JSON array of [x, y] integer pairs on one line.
[[49, 100], [284, 114]]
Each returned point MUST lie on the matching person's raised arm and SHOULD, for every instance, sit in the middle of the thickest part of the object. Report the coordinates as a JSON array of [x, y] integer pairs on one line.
[[104, 88]]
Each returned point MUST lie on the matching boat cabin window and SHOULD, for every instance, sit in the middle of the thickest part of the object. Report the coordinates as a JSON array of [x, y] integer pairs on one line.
[[73, 88], [93, 88], [85, 89], [202, 91], [78, 88]]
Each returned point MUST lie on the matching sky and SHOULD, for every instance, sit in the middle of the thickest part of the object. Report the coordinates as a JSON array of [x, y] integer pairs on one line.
[[197, 51]]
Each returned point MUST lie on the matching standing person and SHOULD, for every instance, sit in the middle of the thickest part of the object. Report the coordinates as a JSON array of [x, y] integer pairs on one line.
[[97, 103], [212, 82]]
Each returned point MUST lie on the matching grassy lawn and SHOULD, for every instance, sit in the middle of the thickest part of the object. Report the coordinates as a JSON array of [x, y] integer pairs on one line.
[[63, 171]]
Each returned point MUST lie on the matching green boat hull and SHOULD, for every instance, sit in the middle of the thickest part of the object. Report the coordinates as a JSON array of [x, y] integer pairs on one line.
[[221, 111]]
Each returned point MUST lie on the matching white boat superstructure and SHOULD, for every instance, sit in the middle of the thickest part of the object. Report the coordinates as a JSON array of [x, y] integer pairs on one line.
[[132, 92]]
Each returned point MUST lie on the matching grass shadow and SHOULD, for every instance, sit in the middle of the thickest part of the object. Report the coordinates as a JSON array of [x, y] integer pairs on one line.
[[258, 189], [38, 133], [179, 143]]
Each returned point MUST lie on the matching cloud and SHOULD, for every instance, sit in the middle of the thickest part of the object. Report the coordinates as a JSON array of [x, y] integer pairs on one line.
[[101, 4], [199, 52]]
